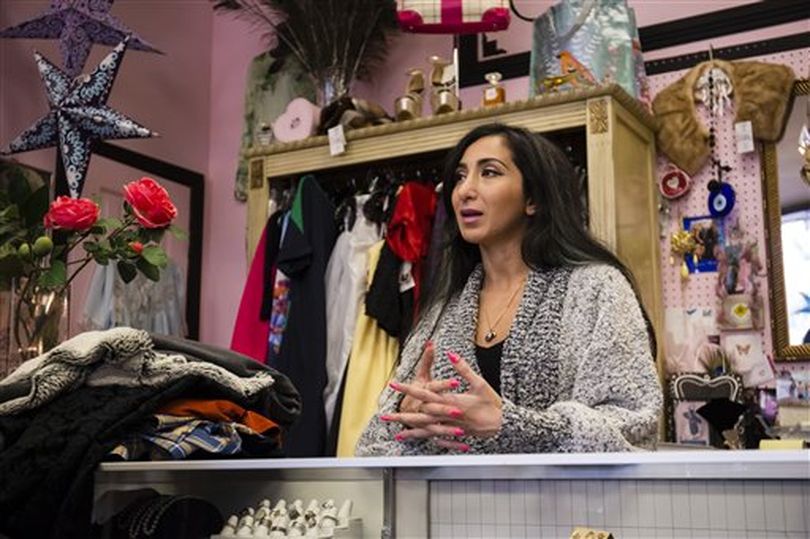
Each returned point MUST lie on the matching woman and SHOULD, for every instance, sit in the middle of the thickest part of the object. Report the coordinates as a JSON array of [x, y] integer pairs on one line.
[[534, 340]]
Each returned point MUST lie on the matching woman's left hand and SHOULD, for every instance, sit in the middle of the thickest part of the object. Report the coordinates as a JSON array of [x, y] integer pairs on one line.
[[476, 412]]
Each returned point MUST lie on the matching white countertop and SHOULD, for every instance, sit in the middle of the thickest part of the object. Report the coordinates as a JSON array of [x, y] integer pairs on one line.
[[690, 464]]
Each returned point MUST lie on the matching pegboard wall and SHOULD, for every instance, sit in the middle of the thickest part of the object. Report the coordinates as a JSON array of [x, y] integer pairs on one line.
[[746, 178]]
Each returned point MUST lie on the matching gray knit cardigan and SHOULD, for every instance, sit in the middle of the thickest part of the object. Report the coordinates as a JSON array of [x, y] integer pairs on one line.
[[576, 369]]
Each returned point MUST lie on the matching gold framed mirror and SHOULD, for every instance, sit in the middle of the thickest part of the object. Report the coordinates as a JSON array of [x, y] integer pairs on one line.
[[787, 224]]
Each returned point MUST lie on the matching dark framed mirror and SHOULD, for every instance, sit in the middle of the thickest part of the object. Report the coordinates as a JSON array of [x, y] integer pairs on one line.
[[112, 167]]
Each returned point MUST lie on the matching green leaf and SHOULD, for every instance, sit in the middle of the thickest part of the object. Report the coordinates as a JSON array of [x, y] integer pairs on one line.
[[127, 271], [155, 256], [151, 235], [19, 189], [101, 257], [178, 232], [35, 207], [10, 262], [152, 272], [109, 223], [10, 213], [53, 277], [90, 246]]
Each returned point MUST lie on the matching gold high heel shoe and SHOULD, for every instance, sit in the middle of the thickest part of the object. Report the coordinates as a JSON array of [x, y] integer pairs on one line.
[[443, 98], [409, 106]]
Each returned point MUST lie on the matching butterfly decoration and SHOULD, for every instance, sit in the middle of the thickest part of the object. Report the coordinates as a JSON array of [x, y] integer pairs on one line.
[[743, 349]]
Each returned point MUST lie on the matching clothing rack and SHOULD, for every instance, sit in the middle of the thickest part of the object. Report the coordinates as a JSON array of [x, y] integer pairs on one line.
[[344, 181], [381, 178]]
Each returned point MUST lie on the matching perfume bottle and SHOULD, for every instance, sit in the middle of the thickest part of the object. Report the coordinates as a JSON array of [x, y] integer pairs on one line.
[[264, 134], [494, 94]]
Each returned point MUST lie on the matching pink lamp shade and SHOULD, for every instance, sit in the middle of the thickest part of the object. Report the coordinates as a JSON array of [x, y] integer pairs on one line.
[[453, 16]]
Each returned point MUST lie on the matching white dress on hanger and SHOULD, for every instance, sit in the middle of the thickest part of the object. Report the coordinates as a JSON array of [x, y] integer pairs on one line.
[[345, 286]]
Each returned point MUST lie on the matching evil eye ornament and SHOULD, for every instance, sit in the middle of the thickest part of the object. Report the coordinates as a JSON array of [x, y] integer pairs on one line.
[[721, 199]]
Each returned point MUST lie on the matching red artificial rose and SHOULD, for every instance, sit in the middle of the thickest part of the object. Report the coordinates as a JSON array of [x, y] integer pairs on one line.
[[72, 214], [136, 246], [150, 202]]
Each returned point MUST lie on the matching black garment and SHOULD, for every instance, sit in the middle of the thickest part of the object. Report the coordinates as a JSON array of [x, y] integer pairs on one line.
[[303, 258], [489, 361], [51, 452], [271, 248], [282, 404], [392, 309], [163, 517]]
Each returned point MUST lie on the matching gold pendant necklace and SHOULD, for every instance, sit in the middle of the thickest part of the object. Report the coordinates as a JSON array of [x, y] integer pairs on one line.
[[490, 335]]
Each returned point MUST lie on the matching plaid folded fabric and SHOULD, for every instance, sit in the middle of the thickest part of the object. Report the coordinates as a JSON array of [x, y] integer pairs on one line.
[[182, 436]]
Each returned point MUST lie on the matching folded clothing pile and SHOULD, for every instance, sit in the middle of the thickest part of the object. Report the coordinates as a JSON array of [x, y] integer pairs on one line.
[[65, 411]]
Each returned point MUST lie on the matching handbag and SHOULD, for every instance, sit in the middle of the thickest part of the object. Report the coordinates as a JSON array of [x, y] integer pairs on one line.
[[453, 16], [584, 42]]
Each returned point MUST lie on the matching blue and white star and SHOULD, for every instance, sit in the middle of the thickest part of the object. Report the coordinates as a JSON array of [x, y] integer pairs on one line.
[[78, 116], [77, 24]]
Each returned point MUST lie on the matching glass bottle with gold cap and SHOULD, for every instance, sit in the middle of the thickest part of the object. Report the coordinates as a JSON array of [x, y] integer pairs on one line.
[[494, 93]]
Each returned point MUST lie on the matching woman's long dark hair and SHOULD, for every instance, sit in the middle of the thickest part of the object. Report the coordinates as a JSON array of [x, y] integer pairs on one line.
[[555, 235]]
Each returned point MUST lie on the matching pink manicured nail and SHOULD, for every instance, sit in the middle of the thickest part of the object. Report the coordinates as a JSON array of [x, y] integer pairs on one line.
[[455, 413], [429, 345], [464, 448], [394, 386], [385, 418], [398, 437], [458, 431], [453, 357], [454, 383]]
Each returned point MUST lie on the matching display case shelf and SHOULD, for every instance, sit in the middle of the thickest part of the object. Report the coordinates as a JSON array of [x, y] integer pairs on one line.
[[643, 494]]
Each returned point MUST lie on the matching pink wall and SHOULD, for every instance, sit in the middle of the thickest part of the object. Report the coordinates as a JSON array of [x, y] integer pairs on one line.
[[224, 266]]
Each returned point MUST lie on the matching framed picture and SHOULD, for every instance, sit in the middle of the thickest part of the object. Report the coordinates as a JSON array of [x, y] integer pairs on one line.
[[690, 427], [690, 391], [708, 233]]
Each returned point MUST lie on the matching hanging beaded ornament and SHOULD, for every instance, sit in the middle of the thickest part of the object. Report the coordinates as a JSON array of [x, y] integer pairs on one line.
[[715, 94]]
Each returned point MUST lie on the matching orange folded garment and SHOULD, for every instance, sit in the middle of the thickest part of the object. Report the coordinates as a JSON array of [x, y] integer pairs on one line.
[[220, 410]]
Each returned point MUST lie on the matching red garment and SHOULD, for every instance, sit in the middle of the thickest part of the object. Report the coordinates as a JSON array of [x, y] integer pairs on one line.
[[220, 410], [408, 233], [250, 333]]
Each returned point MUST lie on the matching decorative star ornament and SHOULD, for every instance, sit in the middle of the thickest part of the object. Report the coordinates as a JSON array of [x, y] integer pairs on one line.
[[77, 24], [78, 117]]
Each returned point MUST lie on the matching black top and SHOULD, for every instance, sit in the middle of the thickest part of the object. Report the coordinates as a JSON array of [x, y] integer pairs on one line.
[[392, 309], [303, 257], [489, 361]]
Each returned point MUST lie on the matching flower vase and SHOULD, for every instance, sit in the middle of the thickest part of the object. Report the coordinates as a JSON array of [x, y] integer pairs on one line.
[[329, 87], [38, 321]]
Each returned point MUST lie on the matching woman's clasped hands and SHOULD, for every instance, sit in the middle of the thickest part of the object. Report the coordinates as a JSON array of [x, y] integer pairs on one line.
[[429, 410]]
